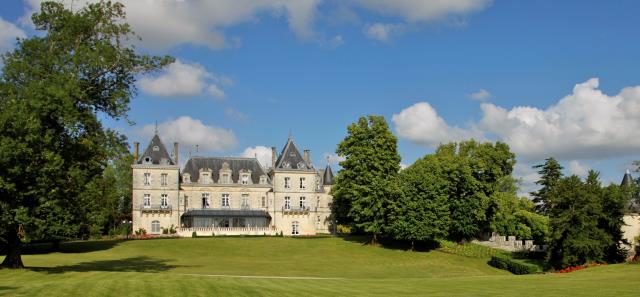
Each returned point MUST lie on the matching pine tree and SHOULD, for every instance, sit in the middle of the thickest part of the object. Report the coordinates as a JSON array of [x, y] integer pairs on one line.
[[550, 173]]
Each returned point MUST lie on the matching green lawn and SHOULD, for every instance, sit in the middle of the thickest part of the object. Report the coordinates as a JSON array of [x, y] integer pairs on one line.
[[320, 266]]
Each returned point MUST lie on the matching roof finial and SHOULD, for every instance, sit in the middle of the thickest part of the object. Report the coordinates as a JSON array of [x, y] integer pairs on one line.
[[628, 171], [328, 162], [290, 135], [197, 146], [156, 129]]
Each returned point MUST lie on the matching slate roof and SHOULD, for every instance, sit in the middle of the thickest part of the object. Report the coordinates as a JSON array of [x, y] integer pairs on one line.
[[156, 155], [290, 158], [226, 213], [627, 180], [194, 164], [327, 176]]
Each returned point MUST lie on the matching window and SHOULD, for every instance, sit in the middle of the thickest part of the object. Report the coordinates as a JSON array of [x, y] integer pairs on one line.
[[205, 178], [303, 184], [147, 159], [205, 200], [245, 179], [317, 184], [287, 202], [155, 227], [263, 180], [295, 228], [156, 148], [163, 179], [225, 179], [225, 200], [186, 178], [263, 202], [287, 183], [245, 201], [303, 201], [147, 179], [146, 203], [164, 201]]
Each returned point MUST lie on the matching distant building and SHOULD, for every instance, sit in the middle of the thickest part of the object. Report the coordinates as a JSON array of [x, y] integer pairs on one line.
[[631, 229], [230, 195]]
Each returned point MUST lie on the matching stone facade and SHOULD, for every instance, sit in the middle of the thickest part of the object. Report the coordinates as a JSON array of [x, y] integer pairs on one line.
[[231, 196]]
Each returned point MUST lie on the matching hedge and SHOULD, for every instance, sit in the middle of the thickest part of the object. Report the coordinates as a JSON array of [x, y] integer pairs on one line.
[[514, 266]]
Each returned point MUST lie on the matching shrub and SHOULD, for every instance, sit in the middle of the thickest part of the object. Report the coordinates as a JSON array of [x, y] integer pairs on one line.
[[512, 265], [172, 229], [194, 234], [165, 230], [141, 231], [342, 229]]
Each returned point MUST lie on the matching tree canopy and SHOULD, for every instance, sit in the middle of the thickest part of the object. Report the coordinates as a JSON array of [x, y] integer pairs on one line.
[[367, 183], [54, 89]]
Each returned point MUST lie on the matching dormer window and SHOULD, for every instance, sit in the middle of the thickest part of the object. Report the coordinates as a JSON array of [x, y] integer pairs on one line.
[[147, 160], [205, 178], [156, 148], [186, 178], [263, 180], [301, 165], [286, 164], [245, 179], [224, 178]]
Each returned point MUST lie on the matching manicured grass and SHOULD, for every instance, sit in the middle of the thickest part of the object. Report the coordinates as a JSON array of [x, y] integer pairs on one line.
[[204, 266]]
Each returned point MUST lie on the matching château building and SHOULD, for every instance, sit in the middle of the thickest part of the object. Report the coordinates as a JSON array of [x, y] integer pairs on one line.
[[230, 195]]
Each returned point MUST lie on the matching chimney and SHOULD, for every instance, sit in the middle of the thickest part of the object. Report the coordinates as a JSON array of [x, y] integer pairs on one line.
[[175, 153], [273, 157], [136, 146], [307, 156]]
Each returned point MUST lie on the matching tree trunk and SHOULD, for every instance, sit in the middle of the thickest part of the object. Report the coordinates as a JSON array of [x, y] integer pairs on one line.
[[413, 246], [374, 239], [13, 259]]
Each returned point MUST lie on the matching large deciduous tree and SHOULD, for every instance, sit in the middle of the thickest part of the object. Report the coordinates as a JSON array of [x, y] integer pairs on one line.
[[422, 211], [367, 183], [54, 87]]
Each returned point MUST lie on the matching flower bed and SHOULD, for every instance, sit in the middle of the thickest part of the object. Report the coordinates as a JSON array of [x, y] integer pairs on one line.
[[579, 267]]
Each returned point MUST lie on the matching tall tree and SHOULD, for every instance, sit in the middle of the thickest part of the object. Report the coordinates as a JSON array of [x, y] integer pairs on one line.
[[367, 183], [422, 211], [574, 208], [550, 173], [54, 88]]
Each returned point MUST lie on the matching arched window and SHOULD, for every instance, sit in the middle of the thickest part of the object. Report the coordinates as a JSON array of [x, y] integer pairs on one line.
[[295, 228], [155, 227]]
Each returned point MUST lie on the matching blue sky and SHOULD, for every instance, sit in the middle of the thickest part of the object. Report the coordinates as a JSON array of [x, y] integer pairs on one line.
[[250, 72]]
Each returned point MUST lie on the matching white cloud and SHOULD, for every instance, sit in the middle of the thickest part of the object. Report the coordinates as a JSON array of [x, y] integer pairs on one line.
[[586, 124], [262, 153], [423, 10], [527, 177], [382, 32], [235, 114], [216, 92], [164, 24], [184, 80], [578, 169], [8, 34], [333, 159], [190, 132], [420, 123], [481, 95]]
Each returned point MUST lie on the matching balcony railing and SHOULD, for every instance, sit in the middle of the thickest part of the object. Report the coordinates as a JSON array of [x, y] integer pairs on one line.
[[155, 207], [295, 209]]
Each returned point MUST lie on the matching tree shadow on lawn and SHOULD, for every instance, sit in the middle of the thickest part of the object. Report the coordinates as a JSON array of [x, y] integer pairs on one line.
[[133, 264], [389, 243], [69, 247]]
